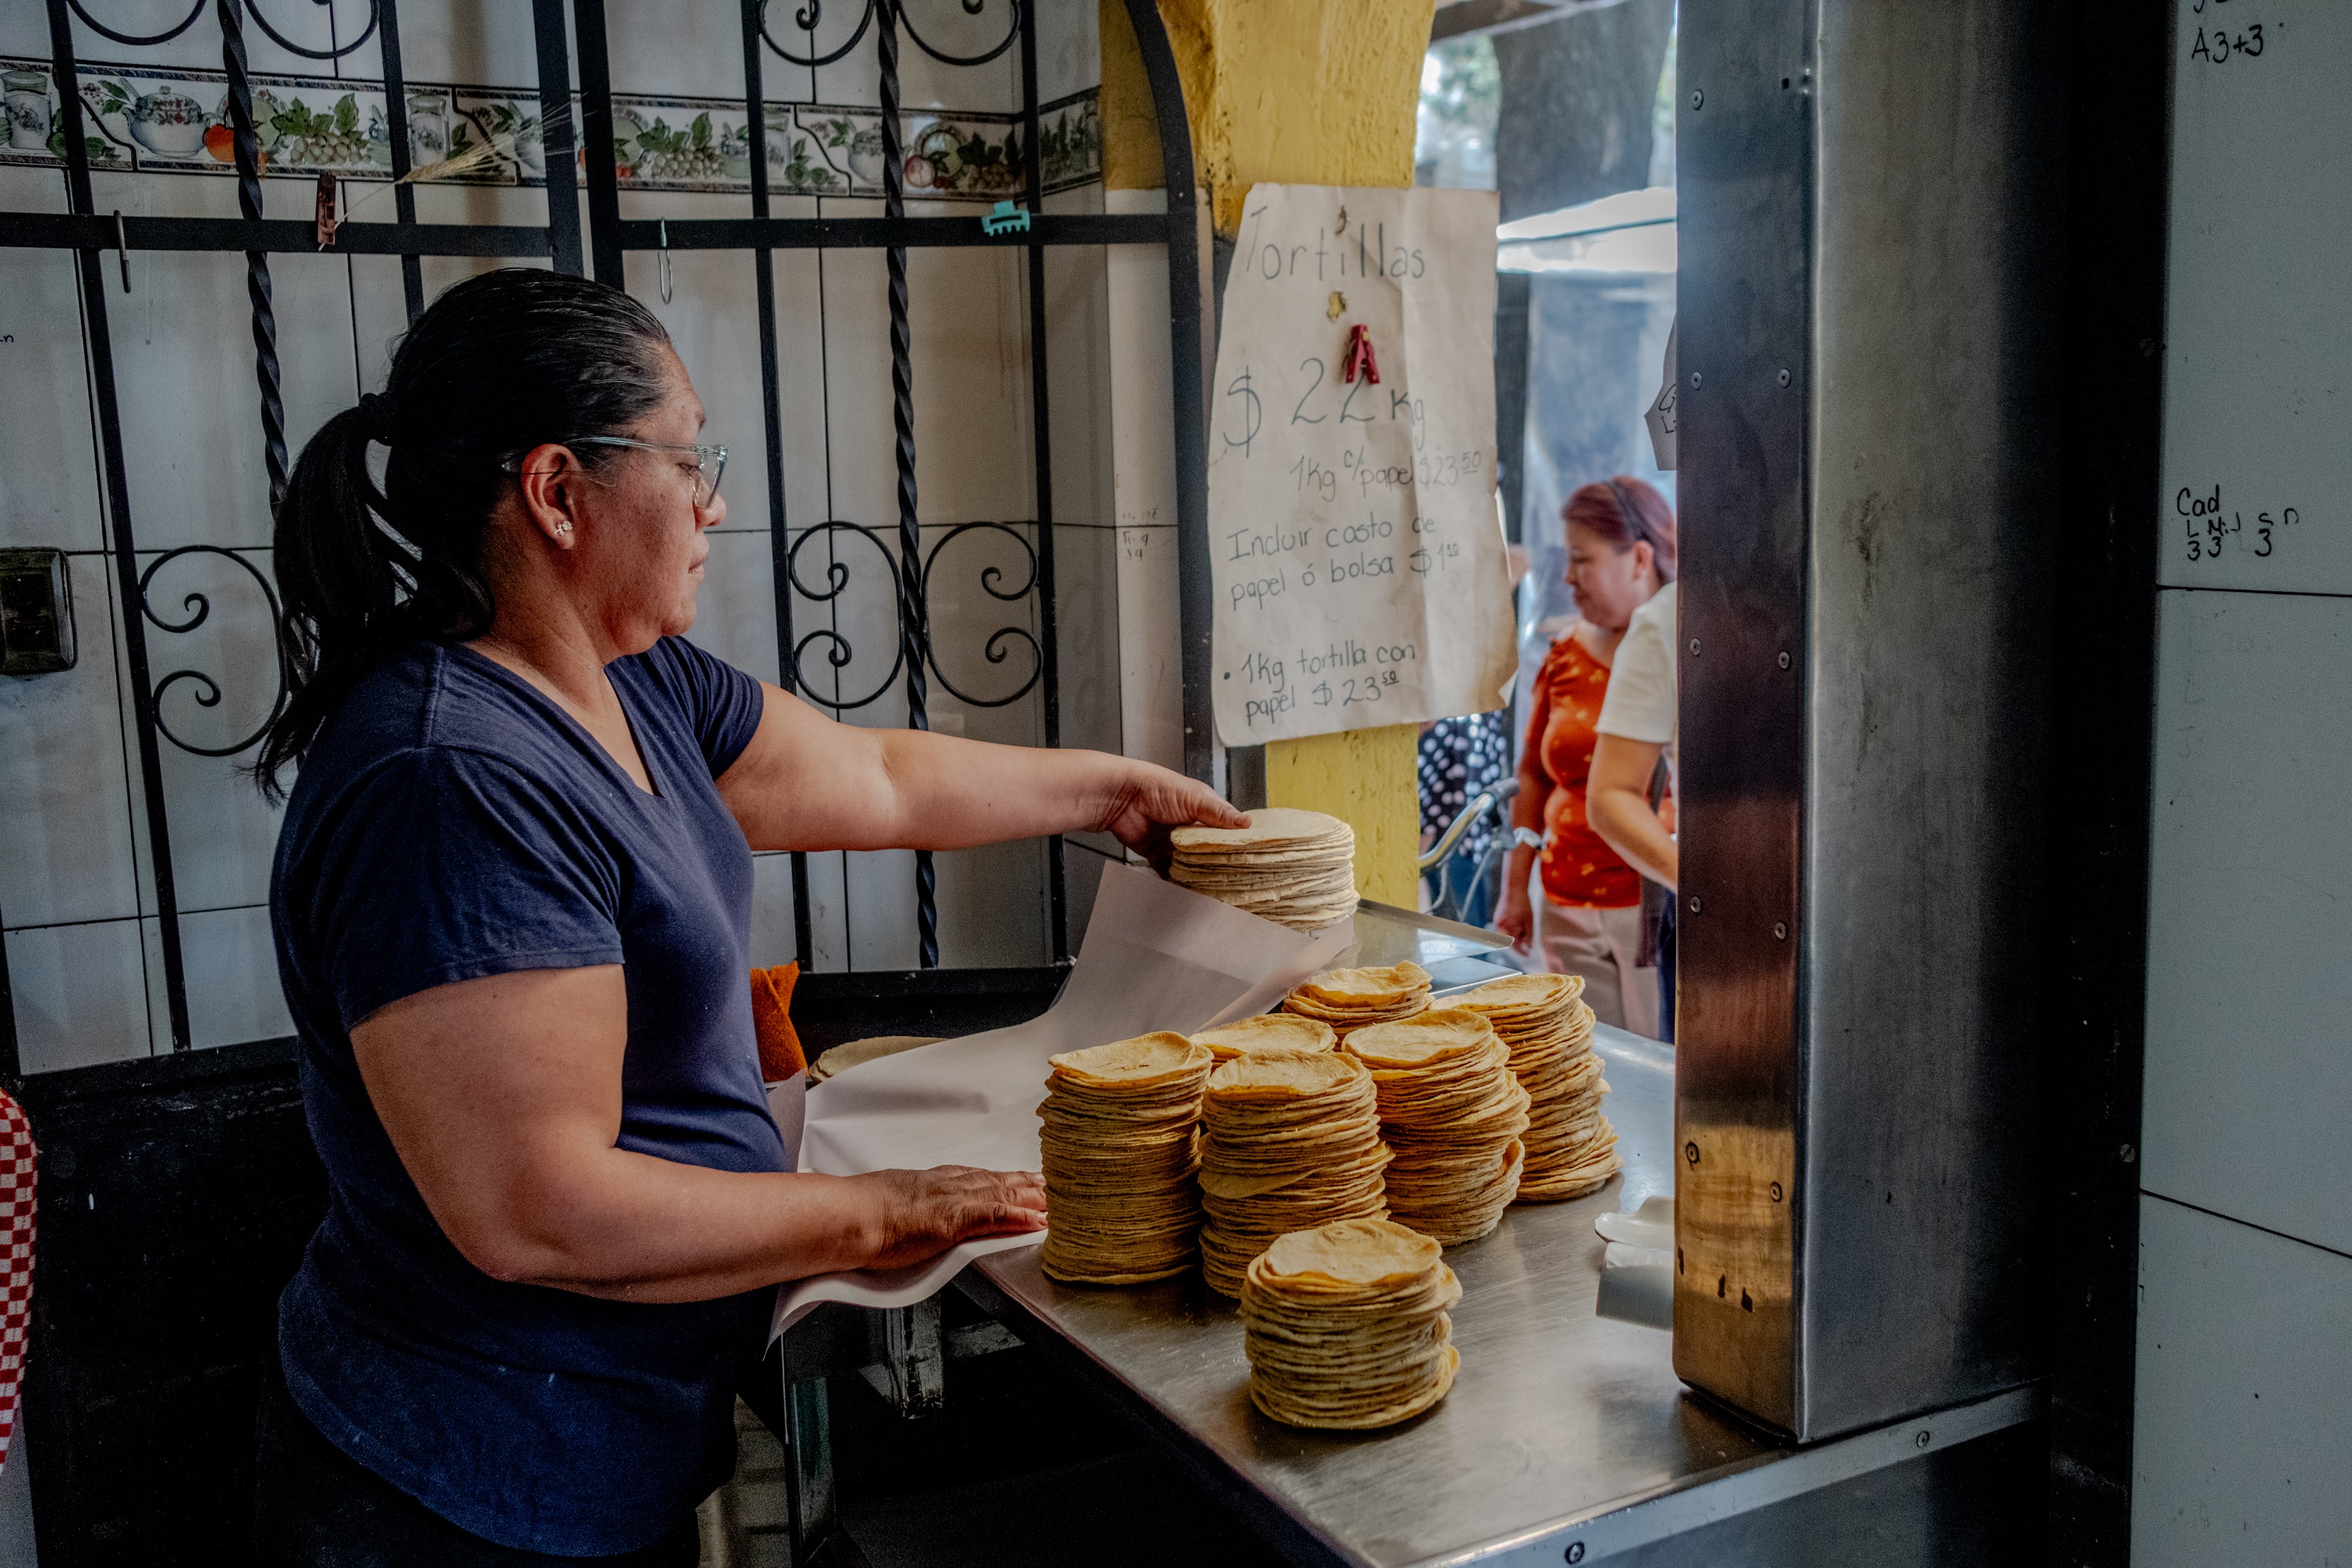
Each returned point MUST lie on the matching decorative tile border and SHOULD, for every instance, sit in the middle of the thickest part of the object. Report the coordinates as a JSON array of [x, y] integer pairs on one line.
[[169, 121]]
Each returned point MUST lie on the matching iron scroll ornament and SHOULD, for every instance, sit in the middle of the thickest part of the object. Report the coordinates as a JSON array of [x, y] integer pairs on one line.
[[137, 40], [806, 17], [376, 14], [207, 691], [993, 649], [142, 41], [839, 651]]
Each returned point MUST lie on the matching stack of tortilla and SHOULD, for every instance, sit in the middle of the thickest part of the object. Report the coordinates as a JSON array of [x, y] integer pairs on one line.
[[1571, 1147], [1266, 1032], [1120, 1147], [1291, 866], [1349, 1000], [1344, 1326], [1290, 1140], [1452, 1114]]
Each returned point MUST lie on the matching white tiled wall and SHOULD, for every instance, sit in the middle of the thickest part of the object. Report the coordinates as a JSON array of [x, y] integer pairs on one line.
[[77, 899], [1151, 674], [2248, 993], [2244, 1383], [2243, 1404]]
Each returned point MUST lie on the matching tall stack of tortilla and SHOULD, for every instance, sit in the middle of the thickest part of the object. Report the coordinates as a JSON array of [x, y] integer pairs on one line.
[[1291, 866], [1451, 1114], [1571, 1149], [1344, 1326], [1266, 1032], [1350, 999], [1290, 1140], [1120, 1147]]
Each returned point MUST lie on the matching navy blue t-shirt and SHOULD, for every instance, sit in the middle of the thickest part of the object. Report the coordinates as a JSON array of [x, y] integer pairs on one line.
[[450, 822]]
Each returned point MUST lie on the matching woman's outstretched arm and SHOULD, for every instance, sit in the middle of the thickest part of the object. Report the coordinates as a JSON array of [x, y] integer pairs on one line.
[[808, 782]]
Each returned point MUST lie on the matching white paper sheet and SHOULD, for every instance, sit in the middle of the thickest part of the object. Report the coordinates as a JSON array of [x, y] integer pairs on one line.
[[1357, 562], [1155, 956], [1665, 415]]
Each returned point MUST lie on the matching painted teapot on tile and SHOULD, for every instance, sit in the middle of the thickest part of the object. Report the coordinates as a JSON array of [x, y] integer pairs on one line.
[[166, 122], [169, 123]]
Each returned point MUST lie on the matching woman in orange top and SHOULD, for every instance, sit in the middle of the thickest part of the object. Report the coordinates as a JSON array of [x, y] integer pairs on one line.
[[1621, 551]]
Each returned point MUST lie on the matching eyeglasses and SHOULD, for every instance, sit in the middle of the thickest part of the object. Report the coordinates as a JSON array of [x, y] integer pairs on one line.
[[710, 462]]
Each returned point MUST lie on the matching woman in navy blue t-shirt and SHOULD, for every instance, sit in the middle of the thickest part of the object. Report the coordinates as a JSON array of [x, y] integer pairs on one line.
[[512, 904]]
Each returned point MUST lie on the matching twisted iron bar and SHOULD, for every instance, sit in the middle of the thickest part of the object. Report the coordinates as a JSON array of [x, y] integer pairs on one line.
[[291, 47], [914, 626], [199, 609], [134, 39], [256, 262], [807, 17]]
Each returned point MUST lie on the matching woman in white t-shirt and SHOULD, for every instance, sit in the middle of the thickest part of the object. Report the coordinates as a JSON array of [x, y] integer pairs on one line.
[[1639, 723]]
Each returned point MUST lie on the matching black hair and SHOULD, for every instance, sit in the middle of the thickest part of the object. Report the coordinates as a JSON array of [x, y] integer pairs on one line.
[[500, 363]]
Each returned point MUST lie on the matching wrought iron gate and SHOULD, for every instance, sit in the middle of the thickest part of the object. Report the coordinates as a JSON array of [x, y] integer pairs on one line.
[[602, 246]]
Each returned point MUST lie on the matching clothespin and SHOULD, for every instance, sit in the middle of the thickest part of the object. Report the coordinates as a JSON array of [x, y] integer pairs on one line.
[[1359, 354], [325, 220]]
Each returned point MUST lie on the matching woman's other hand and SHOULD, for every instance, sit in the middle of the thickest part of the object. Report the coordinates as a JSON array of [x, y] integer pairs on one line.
[[1516, 919], [1147, 802], [924, 1213]]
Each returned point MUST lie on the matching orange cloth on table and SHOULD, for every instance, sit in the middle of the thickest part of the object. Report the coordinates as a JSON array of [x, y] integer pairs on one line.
[[1578, 865], [772, 1014]]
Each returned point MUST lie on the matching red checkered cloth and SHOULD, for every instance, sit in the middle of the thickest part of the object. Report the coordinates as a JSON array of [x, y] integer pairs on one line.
[[17, 1157]]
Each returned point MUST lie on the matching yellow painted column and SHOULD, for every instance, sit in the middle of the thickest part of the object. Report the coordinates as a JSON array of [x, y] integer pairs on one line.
[[1307, 92]]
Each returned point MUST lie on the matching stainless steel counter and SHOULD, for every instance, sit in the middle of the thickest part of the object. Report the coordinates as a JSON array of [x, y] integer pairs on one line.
[[1567, 1436]]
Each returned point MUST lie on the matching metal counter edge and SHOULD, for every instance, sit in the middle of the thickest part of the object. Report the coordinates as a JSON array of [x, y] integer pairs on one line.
[[1757, 1483]]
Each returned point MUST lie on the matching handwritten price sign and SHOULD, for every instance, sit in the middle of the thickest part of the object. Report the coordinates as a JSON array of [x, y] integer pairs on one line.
[[1357, 552]]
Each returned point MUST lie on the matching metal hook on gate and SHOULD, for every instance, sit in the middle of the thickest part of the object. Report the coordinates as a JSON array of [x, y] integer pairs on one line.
[[123, 249], [662, 270]]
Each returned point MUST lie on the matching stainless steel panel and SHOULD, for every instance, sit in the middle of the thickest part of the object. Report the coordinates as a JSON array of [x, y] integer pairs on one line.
[[1939, 256], [1872, 256], [1962, 1507], [1744, 153]]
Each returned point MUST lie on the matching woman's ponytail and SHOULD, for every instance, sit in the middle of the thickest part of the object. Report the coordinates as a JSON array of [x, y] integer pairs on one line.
[[501, 363], [335, 582]]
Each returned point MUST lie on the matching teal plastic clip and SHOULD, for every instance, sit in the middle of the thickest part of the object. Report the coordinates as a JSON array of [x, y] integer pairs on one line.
[[1005, 217]]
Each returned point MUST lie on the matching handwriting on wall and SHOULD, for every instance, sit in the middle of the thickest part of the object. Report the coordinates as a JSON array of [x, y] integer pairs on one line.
[[1356, 551], [2257, 344], [2208, 526]]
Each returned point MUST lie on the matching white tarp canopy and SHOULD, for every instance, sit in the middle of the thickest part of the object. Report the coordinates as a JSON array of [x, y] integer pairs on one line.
[[1630, 233]]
